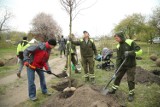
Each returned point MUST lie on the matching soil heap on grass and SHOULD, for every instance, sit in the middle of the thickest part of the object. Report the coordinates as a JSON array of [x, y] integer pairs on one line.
[[84, 96], [144, 76]]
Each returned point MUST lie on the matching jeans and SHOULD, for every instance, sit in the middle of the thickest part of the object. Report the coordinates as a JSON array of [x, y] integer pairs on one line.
[[31, 84]]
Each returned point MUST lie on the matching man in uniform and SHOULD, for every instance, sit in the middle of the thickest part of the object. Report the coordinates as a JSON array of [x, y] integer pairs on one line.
[[88, 50], [126, 48], [73, 54]]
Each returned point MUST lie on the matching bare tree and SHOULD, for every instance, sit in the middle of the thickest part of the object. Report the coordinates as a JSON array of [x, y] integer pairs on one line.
[[71, 6], [45, 26], [5, 16]]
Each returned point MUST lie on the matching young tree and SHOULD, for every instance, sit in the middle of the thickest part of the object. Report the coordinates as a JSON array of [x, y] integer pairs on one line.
[[45, 26]]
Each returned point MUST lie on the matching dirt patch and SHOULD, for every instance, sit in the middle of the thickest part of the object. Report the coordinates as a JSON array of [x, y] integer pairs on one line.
[[144, 76], [156, 72], [11, 61], [84, 96], [60, 86]]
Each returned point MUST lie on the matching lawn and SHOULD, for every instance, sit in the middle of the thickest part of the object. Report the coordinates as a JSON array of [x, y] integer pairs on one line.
[[147, 95]]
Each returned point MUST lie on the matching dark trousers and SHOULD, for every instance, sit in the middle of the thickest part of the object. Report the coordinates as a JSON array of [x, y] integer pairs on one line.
[[73, 60], [88, 65], [130, 77]]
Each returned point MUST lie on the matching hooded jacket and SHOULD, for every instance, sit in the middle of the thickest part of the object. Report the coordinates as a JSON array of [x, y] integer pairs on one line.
[[130, 46], [38, 55]]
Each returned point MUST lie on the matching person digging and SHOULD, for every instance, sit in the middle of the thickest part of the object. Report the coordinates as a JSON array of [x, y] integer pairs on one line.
[[128, 49], [38, 56]]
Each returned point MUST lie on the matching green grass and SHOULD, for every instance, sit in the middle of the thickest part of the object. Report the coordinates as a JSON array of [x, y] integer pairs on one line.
[[146, 95]]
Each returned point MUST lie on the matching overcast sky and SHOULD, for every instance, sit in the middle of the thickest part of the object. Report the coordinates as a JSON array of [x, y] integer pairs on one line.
[[99, 19]]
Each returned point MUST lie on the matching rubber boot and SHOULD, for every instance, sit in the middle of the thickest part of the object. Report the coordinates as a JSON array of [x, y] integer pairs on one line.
[[112, 91], [86, 79], [130, 97]]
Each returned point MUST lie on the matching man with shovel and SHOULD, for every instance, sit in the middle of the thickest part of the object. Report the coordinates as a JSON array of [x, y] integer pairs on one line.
[[37, 57], [126, 49]]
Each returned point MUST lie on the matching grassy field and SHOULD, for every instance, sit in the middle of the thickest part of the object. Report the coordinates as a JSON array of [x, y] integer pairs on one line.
[[146, 95]]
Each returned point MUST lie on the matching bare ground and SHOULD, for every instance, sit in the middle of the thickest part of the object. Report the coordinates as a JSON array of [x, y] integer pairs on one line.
[[17, 90]]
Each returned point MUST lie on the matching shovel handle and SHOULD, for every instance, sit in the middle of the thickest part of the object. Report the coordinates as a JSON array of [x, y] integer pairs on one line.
[[115, 73]]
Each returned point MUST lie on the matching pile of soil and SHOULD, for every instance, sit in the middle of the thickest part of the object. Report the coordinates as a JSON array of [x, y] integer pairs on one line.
[[144, 76], [11, 61], [84, 96]]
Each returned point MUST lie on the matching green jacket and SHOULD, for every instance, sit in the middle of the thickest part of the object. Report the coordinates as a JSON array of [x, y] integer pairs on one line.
[[134, 50], [87, 49], [73, 48], [21, 47]]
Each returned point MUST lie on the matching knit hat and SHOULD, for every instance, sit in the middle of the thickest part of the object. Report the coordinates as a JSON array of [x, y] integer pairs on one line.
[[121, 35], [52, 42], [24, 38]]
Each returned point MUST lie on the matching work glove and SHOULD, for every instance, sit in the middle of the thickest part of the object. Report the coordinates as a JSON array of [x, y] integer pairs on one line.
[[48, 72], [127, 53], [26, 63]]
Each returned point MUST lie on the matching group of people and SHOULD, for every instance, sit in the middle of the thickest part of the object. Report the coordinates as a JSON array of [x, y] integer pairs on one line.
[[37, 57]]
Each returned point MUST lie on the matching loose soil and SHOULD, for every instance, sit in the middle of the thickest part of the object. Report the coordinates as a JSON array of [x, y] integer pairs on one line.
[[89, 96], [84, 96], [144, 76]]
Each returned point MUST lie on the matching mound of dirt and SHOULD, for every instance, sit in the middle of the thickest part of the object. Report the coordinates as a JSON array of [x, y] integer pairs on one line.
[[84, 96], [144, 76], [156, 72], [11, 61], [158, 62]]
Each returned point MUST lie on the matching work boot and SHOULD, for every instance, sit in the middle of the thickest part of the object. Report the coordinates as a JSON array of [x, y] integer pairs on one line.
[[92, 80], [33, 99], [86, 79], [19, 74], [48, 94], [130, 97], [112, 91]]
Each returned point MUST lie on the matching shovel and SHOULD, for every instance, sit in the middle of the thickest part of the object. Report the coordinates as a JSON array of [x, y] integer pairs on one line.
[[38, 69], [104, 91]]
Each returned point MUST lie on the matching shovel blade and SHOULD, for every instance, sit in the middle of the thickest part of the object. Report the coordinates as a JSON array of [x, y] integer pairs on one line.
[[104, 91]]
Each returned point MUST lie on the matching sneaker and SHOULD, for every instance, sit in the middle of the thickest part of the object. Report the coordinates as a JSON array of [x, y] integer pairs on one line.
[[48, 94], [19, 74], [33, 98], [130, 97], [112, 91]]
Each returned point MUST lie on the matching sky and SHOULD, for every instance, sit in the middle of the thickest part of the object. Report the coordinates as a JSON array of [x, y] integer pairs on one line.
[[99, 19]]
